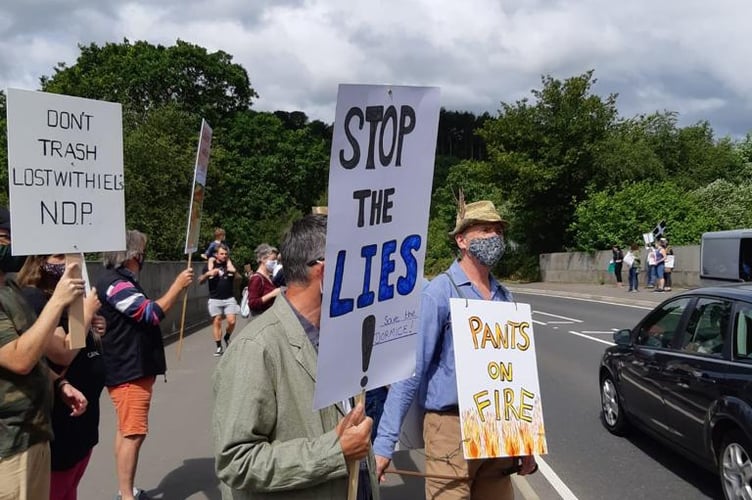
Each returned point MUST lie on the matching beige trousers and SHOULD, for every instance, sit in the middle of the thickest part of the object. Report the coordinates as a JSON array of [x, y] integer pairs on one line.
[[484, 479], [26, 475]]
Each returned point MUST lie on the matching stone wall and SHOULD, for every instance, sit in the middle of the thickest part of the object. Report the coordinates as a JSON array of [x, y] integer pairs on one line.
[[584, 267]]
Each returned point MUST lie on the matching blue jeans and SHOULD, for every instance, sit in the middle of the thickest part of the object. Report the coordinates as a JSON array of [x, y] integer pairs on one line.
[[651, 276], [633, 278]]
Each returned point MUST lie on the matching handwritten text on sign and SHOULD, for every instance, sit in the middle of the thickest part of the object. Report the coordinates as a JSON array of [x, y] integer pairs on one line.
[[379, 194], [65, 157], [497, 379]]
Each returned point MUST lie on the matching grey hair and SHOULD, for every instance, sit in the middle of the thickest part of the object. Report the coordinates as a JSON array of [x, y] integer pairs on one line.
[[303, 243], [135, 244], [263, 250]]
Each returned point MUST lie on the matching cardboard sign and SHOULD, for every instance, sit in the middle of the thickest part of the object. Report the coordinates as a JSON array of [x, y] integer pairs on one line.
[[199, 187], [501, 413], [380, 177], [65, 174]]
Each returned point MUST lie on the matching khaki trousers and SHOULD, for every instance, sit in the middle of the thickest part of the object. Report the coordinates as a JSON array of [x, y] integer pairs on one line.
[[26, 475], [443, 442]]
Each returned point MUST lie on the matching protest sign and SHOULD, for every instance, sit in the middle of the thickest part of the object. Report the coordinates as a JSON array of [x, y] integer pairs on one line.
[[199, 187], [501, 414], [65, 173], [380, 177]]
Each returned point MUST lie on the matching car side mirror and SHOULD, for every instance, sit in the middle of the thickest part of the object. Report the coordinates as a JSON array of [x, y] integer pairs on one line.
[[623, 337]]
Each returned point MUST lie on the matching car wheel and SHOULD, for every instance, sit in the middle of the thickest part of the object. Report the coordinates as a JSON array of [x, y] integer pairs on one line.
[[612, 412], [735, 466]]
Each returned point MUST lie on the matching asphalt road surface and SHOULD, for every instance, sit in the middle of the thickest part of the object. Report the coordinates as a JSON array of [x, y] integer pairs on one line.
[[584, 462]]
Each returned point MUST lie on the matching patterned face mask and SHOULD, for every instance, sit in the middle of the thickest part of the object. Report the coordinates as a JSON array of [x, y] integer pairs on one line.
[[488, 251], [54, 271]]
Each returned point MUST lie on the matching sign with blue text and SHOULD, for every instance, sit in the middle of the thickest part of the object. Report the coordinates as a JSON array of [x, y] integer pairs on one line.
[[65, 174], [380, 177]]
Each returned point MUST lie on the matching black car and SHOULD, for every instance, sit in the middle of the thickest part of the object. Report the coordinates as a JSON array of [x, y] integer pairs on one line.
[[684, 374]]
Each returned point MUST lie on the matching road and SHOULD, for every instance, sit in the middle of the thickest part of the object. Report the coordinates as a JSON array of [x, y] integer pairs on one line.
[[584, 462]]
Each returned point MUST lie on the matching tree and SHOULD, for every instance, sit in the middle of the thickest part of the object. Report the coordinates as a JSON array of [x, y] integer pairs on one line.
[[544, 154], [143, 77]]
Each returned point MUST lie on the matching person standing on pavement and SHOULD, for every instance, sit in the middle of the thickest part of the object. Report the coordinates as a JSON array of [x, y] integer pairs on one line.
[[261, 289], [618, 258], [268, 441], [26, 382], [660, 265], [634, 268], [479, 236], [133, 350], [75, 436], [221, 275]]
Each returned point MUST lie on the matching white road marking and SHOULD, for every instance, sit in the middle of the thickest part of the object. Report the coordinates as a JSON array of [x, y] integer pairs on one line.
[[554, 480], [557, 316], [598, 332], [560, 322], [539, 323], [527, 491], [591, 338]]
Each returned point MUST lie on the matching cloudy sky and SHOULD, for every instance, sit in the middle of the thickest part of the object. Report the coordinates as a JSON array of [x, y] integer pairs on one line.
[[688, 56]]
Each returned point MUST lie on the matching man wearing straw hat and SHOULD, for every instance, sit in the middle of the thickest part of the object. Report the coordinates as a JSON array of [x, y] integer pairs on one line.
[[479, 235]]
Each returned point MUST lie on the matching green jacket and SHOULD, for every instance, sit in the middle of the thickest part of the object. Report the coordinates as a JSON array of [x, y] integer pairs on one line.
[[268, 441]]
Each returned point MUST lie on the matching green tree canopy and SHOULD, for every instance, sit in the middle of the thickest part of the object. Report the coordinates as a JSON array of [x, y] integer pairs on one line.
[[143, 77]]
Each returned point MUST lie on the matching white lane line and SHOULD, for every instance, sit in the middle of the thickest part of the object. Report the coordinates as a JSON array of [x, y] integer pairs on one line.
[[591, 338], [554, 480], [539, 323], [557, 316], [527, 491], [598, 331], [560, 322]]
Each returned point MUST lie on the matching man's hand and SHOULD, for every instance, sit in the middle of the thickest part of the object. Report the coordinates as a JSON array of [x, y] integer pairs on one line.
[[381, 465], [354, 432], [68, 288], [73, 399], [184, 279], [528, 465]]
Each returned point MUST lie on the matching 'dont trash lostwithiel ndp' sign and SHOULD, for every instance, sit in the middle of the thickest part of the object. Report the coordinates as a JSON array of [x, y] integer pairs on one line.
[[501, 413], [65, 174], [380, 177]]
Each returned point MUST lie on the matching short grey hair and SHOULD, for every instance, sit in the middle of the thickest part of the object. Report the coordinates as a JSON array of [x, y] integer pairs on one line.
[[135, 244], [263, 250], [303, 244]]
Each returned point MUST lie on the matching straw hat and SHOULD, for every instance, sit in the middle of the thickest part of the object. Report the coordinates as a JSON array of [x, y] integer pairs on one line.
[[479, 212], [320, 210]]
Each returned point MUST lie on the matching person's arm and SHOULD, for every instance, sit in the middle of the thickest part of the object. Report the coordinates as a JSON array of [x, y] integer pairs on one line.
[[57, 350], [402, 393], [244, 420], [230, 266], [21, 354], [257, 299], [126, 298], [209, 274]]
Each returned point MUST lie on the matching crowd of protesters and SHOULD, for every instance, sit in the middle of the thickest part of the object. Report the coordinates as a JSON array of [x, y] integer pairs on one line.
[[659, 264]]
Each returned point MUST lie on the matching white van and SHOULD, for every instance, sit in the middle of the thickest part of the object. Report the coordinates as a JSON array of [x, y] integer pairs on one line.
[[726, 256]]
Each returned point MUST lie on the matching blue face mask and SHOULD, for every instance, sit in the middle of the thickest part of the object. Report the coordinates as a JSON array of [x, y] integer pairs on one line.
[[488, 251]]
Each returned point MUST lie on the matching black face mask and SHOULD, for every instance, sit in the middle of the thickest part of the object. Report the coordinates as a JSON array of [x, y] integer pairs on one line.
[[8, 262], [53, 271]]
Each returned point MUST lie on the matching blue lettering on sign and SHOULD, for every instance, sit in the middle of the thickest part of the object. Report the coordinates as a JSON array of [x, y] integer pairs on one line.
[[405, 284], [366, 298]]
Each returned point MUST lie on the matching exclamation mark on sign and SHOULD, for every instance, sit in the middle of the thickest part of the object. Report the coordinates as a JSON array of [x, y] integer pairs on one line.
[[369, 330]]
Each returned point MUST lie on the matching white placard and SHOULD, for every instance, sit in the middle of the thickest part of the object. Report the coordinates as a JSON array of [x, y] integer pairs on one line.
[[501, 412], [199, 188], [65, 174], [380, 177]]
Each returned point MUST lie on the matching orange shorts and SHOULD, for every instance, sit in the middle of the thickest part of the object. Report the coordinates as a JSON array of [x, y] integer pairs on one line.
[[132, 400]]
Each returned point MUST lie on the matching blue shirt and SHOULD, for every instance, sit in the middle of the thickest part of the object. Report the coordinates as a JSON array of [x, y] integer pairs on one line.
[[434, 381]]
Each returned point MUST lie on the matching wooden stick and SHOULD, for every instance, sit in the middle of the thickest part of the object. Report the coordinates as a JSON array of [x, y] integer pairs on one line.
[[76, 331], [403, 472], [354, 466], [182, 315]]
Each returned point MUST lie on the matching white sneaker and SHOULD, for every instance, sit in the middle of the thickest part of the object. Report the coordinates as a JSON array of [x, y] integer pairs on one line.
[[218, 352]]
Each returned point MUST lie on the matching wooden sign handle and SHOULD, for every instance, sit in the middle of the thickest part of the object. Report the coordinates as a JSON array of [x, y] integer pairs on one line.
[[354, 466], [182, 314], [76, 330]]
